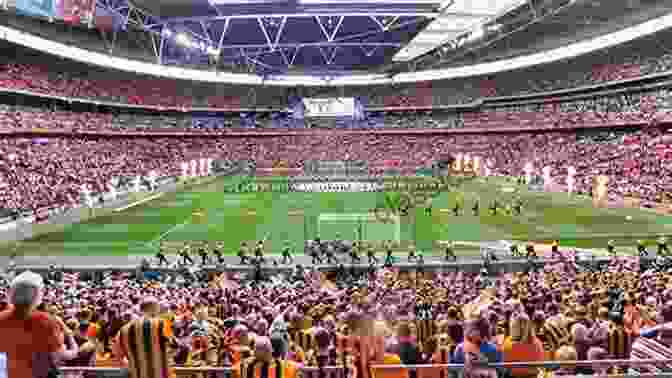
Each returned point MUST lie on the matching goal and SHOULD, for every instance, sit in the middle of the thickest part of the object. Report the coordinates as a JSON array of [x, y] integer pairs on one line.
[[349, 225]]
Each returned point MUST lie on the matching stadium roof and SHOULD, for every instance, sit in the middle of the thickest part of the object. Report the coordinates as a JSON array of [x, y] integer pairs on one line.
[[277, 36]]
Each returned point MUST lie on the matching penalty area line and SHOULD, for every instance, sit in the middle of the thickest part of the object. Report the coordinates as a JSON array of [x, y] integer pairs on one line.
[[136, 203], [163, 235]]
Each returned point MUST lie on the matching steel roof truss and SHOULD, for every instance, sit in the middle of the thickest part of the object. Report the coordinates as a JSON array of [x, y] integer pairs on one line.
[[328, 57], [272, 40], [330, 36], [224, 30]]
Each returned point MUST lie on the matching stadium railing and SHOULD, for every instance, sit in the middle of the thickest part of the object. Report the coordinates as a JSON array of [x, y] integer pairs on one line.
[[545, 365]]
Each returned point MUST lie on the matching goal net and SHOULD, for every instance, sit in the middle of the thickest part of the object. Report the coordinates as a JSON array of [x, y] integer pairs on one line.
[[350, 225]]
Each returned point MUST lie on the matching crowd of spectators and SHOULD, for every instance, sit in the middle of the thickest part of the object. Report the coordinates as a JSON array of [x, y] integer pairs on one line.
[[631, 60], [651, 106], [49, 171], [39, 173], [565, 311]]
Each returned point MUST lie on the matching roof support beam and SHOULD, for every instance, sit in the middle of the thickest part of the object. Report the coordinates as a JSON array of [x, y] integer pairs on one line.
[[391, 13], [330, 36], [221, 37], [316, 44]]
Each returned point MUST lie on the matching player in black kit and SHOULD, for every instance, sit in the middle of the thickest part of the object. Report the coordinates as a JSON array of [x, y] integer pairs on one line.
[[259, 252], [315, 252], [641, 249], [662, 246], [475, 208], [330, 252], [411, 253], [611, 249], [389, 260], [354, 253], [456, 208], [514, 250], [203, 252], [530, 251], [450, 252], [185, 255], [518, 206], [161, 256], [242, 253], [287, 253], [217, 251], [371, 254]]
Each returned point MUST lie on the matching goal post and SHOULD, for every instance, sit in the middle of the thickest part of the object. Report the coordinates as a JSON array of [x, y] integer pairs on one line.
[[348, 224]]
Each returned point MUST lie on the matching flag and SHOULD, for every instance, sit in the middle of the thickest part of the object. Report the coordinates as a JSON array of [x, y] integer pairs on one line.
[[75, 11], [39, 8]]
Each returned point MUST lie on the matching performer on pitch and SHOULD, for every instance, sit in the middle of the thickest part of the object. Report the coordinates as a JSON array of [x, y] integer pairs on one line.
[[450, 253], [641, 249], [186, 255], [243, 253], [428, 207], [287, 253], [161, 256], [611, 249], [475, 208]]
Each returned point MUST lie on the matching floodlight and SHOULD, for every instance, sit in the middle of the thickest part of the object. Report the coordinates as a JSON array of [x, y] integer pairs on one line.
[[183, 39]]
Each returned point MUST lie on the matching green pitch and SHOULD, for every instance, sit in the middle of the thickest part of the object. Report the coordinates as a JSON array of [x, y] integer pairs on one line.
[[208, 213]]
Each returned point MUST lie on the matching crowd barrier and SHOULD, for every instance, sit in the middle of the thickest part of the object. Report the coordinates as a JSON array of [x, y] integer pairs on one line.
[[379, 370]]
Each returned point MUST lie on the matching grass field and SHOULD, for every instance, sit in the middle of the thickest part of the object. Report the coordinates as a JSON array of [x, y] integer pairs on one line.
[[207, 213]]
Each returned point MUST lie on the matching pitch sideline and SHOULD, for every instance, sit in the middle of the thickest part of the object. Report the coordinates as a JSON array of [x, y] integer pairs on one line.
[[140, 202]]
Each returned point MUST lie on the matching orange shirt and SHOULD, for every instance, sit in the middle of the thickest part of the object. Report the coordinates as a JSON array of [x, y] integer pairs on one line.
[[22, 338], [390, 359], [521, 352]]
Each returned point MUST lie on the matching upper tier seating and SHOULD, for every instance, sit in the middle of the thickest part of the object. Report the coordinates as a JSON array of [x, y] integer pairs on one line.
[[25, 69]]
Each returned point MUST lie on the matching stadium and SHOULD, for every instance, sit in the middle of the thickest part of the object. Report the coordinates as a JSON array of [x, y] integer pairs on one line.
[[335, 188]]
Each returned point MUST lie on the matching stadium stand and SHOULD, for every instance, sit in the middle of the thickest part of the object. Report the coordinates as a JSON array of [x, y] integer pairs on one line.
[[52, 169], [22, 69], [317, 320]]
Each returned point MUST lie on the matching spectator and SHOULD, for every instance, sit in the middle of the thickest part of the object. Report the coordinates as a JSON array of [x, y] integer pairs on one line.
[[133, 341], [30, 338]]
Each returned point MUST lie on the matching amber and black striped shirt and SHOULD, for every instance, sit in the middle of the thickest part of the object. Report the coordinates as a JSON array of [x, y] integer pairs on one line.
[[144, 342]]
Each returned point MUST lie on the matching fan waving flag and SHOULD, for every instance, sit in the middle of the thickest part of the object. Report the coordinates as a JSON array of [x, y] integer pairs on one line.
[[75, 11]]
